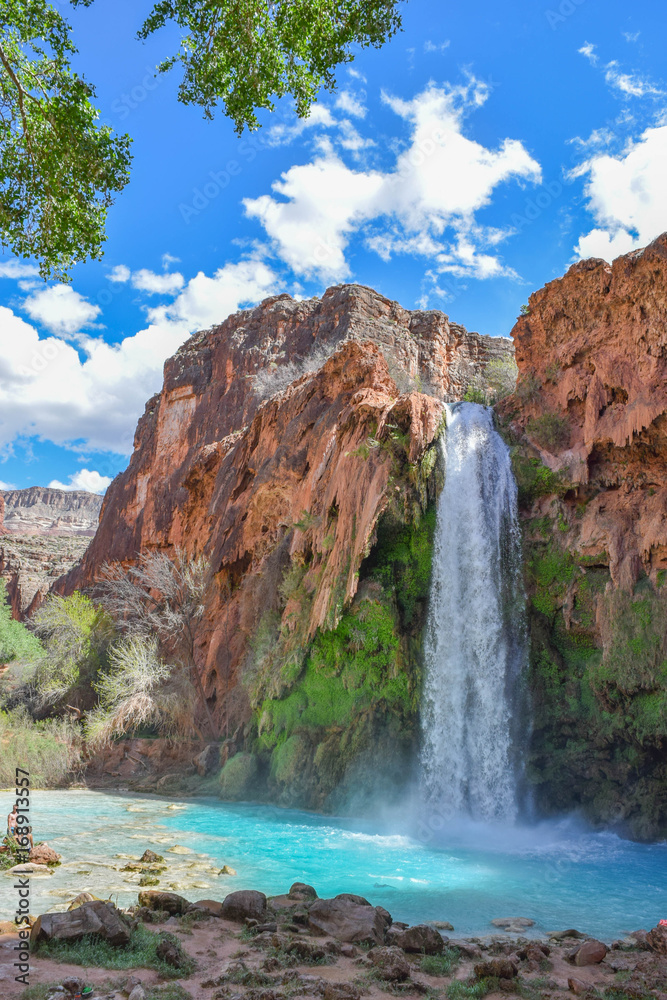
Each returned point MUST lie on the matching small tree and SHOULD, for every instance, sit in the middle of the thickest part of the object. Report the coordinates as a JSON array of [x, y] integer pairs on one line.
[[76, 635], [162, 598]]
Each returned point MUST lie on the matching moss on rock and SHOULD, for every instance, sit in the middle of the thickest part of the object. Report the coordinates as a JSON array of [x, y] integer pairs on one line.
[[238, 777], [333, 714]]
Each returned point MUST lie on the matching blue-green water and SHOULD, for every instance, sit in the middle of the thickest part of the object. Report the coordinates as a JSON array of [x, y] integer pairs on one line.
[[557, 874]]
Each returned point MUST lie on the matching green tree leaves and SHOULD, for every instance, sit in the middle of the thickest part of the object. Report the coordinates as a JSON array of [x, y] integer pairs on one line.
[[246, 53], [59, 169]]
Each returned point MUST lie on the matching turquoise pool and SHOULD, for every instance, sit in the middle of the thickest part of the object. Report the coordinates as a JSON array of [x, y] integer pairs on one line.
[[558, 874]]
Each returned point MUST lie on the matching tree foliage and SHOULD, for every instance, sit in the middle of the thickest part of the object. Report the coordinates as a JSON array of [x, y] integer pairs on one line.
[[59, 168], [76, 635], [246, 53]]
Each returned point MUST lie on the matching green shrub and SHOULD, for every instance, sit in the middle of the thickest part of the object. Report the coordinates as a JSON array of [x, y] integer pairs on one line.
[[16, 641], [50, 750], [535, 480], [550, 430], [474, 394], [76, 635], [440, 965]]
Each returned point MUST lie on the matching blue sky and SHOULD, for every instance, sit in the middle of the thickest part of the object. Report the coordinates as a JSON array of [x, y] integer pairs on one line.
[[460, 167]]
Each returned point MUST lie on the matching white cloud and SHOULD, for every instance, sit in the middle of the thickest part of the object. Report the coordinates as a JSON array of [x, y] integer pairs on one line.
[[86, 479], [430, 46], [627, 196], [629, 84], [61, 310], [120, 274], [6, 486], [356, 75], [598, 138], [17, 269], [95, 394], [588, 50], [157, 284], [320, 117], [631, 36], [206, 300], [351, 104], [437, 183], [168, 259]]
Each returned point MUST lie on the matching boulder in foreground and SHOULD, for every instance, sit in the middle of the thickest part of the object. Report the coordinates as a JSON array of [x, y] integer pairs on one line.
[[96, 917], [391, 964], [420, 939], [170, 902], [347, 920], [591, 952], [657, 938], [246, 904]]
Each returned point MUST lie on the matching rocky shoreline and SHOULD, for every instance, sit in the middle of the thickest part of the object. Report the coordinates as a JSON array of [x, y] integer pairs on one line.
[[250, 947]]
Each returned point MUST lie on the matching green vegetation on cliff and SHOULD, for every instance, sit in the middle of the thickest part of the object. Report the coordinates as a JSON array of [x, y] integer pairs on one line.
[[598, 679], [329, 711]]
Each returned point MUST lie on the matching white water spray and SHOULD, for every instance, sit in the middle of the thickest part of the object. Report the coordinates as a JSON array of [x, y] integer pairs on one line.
[[476, 637]]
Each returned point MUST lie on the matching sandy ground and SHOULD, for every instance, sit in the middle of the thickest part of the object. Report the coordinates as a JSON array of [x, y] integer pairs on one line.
[[215, 944]]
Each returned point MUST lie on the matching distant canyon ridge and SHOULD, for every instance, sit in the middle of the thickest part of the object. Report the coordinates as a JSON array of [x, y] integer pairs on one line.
[[43, 533]]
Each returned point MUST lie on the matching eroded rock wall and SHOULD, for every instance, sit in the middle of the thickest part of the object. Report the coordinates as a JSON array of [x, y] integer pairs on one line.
[[589, 427]]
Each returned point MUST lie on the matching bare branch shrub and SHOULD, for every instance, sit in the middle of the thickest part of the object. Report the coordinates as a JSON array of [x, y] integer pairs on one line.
[[162, 598], [140, 690]]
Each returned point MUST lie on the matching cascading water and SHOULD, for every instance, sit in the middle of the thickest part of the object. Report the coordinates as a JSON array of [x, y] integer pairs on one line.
[[476, 636]]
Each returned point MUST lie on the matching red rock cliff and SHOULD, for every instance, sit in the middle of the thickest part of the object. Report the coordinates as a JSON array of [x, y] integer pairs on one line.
[[257, 451], [592, 353]]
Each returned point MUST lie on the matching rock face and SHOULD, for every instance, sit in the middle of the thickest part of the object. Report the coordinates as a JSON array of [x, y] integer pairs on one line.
[[41, 510], [206, 439], [594, 347], [279, 441], [589, 426]]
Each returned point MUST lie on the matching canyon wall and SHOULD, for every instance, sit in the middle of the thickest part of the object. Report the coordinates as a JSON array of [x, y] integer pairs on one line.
[[43, 533], [293, 446], [588, 426]]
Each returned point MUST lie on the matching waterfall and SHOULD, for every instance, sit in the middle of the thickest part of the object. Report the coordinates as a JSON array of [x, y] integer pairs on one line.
[[476, 638]]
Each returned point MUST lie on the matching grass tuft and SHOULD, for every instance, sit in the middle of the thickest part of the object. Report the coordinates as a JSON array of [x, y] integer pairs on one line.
[[141, 952]]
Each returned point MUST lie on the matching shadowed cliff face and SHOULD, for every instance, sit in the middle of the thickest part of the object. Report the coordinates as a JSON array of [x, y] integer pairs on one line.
[[272, 444], [589, 426]]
